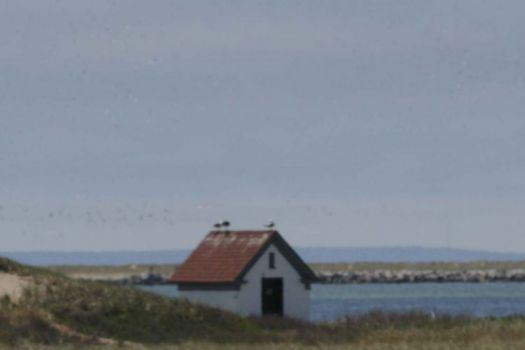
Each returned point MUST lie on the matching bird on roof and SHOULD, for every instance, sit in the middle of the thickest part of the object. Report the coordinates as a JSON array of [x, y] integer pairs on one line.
[[225, 223], [217, 225], [270, 224]]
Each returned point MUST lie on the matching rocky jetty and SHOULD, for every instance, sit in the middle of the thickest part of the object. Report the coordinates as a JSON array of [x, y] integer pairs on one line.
[[141, 279], [415, 276], [364, 276]]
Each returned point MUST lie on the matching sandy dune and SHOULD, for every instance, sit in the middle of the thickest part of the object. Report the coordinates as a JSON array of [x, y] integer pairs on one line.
[[12, 285]]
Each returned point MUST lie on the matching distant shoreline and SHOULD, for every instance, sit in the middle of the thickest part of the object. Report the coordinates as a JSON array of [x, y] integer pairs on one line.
[[323, 255], [341, 273]]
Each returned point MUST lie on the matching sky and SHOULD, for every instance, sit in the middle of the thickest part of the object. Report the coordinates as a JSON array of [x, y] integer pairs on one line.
[[132, 125]]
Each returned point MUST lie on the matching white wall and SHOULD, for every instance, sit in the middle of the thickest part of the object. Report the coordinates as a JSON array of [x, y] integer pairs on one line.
[[248, 300], [222, 299], [296, 298]]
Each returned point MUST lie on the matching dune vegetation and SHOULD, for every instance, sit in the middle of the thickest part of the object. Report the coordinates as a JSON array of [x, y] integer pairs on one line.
[[57, 311]]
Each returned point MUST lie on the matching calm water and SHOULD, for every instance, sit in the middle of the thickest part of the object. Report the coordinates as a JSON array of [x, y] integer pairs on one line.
[[330, 302]]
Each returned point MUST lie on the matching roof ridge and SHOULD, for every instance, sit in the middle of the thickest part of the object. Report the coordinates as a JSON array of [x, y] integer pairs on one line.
[[225, 256]]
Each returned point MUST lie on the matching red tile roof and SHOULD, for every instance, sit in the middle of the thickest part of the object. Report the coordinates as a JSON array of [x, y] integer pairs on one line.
[[224, 257], [221, 256]]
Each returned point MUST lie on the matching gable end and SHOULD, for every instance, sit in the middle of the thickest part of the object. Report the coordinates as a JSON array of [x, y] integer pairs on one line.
[[307, 275]]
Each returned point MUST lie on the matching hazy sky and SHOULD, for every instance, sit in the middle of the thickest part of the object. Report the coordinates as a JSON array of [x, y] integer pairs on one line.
[[137, 125]]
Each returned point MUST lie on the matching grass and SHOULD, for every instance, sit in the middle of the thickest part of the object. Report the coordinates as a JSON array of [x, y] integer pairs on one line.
[[61, 312], [128, 314]]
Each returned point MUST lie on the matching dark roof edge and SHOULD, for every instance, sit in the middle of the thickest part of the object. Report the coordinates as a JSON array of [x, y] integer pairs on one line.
[[306, 273]]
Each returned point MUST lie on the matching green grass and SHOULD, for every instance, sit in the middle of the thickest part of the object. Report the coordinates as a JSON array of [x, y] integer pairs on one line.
[[125, 313], [122, 313], [61, 312]]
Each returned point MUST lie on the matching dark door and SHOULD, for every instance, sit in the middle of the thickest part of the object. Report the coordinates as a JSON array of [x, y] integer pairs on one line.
[[272, 296]]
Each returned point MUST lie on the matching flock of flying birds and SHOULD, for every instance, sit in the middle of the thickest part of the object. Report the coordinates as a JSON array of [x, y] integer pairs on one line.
[[95, 216], [88, 216]]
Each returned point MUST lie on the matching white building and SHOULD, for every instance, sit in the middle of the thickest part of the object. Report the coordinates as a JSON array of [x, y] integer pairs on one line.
[[248, 272]]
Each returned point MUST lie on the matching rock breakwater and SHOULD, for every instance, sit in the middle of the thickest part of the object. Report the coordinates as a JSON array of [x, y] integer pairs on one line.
[[349, 276], [415, 276]]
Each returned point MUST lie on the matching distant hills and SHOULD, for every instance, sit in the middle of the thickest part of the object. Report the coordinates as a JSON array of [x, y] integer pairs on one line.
[[321, 255]]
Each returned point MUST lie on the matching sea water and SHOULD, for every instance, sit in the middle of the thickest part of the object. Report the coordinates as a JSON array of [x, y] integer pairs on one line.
[[333, 301]]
